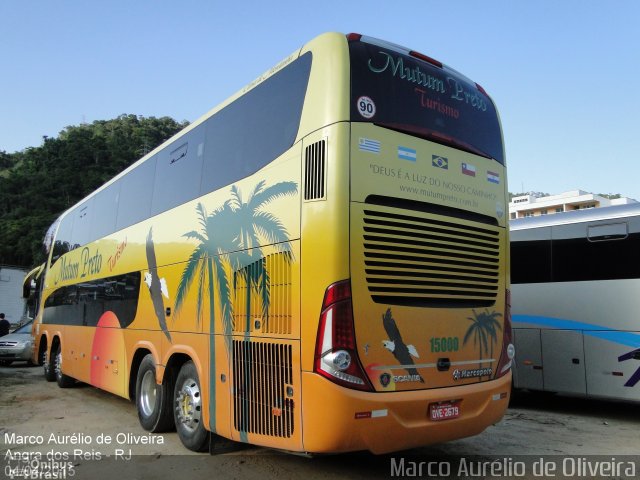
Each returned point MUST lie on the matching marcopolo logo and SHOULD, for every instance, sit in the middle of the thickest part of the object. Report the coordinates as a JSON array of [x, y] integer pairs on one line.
[[475, 373]]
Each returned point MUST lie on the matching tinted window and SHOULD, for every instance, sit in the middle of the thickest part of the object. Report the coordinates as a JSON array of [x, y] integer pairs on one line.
[[256, 128], [240, 139], [63, 243], [178, 171], [531, 261], [105, 211], [575, 259], [82, 215], [85, 303], [403, 93], [136, 192], [579, 259]]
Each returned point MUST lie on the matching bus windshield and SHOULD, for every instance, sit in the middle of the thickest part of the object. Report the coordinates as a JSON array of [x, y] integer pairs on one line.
[[407, 94]]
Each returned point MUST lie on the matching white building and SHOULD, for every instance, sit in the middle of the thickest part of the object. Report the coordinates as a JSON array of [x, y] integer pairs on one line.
[[532, 205], [11, 301]]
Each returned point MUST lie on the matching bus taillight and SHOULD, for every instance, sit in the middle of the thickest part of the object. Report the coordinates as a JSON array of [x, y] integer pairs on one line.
[[508, 350], [336, 356], [425, 58]]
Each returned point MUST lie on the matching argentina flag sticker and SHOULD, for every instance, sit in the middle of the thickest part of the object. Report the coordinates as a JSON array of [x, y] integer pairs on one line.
[[406, 153]]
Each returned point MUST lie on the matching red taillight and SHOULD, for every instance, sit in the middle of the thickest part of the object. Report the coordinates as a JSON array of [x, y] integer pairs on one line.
[[481, 90], [508, 350], [354, 37], [336, 356], [427, 59]]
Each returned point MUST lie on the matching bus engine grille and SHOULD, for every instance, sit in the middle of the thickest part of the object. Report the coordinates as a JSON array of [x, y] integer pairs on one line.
[[430, 260], [262, 376]]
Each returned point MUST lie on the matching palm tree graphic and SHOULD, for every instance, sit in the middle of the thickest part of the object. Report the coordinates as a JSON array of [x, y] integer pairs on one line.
[[483, 328], [207, 264], [229, 241], [249, 223]]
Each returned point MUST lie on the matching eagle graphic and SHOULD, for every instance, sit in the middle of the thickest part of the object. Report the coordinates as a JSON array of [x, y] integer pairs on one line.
[[157, 286], [396, 345]]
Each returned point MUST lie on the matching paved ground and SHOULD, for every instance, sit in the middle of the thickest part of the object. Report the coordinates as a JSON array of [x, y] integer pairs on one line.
[[539, 426]]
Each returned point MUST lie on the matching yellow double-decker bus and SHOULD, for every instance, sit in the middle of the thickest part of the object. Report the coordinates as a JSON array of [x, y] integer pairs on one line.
[[319, 264]]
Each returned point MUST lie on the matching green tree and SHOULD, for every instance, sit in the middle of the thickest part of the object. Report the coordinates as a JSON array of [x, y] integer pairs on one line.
[[40, 183]]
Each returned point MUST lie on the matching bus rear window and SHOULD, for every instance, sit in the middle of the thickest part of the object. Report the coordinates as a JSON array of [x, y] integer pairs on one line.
[[404, 93]]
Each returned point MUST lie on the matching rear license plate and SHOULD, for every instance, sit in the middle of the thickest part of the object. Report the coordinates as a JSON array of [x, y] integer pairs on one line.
[[444, 411]]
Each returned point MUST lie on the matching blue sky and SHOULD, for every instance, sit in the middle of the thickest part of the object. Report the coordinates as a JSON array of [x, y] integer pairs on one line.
[[565, 74]]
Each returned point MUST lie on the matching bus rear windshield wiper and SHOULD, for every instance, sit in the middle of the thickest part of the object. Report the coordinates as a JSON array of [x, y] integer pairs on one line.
[[434, 136]]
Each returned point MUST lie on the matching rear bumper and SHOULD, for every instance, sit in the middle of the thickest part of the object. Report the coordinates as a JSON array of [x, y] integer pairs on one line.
[[338, 419]]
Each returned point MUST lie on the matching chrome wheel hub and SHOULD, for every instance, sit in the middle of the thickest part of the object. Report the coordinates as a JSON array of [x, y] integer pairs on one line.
[[58, 365], [45, 362], [189, 405], [148, 393]]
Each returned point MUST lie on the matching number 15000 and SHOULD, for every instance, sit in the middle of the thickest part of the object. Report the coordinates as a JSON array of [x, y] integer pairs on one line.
[[444, 344]]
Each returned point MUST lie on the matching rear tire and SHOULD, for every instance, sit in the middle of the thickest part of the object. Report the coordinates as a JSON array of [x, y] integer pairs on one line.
[[48, 366], [64, 381], [153, 401], [187, 402]]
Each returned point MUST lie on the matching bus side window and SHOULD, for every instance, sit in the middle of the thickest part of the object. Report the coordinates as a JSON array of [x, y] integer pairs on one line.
[[531, 261], [611, 231]]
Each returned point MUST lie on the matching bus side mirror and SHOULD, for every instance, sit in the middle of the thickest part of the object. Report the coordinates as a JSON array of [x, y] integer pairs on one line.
[[28, 289]]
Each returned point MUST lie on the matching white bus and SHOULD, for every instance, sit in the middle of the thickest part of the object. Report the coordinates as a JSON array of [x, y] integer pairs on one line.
[[576, 302]]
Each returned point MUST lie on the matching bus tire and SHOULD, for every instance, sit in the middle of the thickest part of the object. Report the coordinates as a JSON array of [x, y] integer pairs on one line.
[[48, 366], [153, 401], [64, 381], [187, 400]]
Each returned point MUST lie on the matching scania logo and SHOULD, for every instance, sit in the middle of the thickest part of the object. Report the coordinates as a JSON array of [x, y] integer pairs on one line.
[[385, 379]]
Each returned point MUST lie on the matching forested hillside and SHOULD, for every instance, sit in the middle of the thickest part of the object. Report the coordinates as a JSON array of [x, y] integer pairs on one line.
[[39, 183]]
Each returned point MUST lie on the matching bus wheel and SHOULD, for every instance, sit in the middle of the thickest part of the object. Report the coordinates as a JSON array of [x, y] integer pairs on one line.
[[49, 367], [64, 381], [153, 401], [187, 411]]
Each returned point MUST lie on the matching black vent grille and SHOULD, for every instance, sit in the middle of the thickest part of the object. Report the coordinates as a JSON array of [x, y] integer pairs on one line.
[[314, 171], [429, 261], [262, 374], [272, 287]]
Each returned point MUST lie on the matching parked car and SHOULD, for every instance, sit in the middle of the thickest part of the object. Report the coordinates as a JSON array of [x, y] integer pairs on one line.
[[17, 346]]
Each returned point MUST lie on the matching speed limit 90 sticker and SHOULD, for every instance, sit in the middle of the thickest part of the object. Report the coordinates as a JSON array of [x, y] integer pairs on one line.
[[366, 107]]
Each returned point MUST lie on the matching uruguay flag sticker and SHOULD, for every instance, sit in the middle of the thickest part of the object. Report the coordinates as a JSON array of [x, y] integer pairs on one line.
[[369, 145]]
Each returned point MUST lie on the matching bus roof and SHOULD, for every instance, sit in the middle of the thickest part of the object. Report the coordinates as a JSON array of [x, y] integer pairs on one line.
[[576, 216]]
